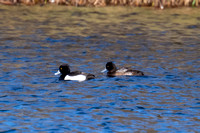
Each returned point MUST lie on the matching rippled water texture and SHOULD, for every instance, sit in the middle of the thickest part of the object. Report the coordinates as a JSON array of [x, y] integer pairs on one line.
[[165, 45]]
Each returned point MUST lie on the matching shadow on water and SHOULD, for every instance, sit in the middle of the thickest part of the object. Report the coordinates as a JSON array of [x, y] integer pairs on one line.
[[164, 45]]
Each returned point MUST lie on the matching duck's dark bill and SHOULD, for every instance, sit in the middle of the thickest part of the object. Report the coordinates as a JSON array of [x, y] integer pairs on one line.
[[104, 70], [58, 72]]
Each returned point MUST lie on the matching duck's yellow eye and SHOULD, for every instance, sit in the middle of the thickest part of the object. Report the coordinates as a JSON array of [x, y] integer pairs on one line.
[[61, 68]]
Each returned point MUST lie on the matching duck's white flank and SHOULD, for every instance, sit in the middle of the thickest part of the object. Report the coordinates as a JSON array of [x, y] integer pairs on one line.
[[79, 78], [122, 70]]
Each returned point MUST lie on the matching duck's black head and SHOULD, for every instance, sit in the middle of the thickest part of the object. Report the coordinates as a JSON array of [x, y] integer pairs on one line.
[[64, 69], [111, 67]]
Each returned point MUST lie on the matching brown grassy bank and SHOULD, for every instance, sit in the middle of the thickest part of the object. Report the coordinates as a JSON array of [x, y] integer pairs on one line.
[[154, 3]]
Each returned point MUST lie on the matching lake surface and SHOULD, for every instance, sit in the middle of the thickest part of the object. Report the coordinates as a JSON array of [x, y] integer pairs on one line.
[[164, 44]]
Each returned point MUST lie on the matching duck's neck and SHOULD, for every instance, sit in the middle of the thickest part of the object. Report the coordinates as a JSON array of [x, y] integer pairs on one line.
[[62, 77]]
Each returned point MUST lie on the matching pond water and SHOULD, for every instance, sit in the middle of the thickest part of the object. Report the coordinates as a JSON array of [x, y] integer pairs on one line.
[[164, 44]]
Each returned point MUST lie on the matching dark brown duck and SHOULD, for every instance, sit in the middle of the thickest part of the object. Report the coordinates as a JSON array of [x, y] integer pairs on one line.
[[113, 71]]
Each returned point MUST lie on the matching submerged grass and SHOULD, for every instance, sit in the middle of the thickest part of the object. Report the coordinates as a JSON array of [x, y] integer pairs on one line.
[[155, 3]]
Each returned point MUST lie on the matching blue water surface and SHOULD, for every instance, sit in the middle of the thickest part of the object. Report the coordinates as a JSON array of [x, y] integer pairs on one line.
[[166, 99]]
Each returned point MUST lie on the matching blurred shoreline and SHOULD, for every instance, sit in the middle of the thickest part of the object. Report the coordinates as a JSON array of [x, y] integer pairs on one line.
[[160, 4]]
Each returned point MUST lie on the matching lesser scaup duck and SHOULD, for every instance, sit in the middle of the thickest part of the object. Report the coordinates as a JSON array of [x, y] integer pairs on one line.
[[113, 71], [76, 75]]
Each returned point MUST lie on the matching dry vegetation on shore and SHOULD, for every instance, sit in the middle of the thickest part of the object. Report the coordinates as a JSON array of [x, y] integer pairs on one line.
[[154, 3]]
